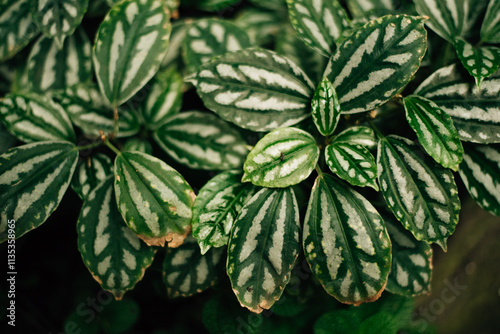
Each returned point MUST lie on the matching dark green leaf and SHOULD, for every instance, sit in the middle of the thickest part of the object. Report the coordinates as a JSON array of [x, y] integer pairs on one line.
[[325, 108], [90, 173], [490, 30]]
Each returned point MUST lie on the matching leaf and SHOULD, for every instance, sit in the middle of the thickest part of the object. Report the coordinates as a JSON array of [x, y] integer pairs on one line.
[[187, 272], [282, 158], [17, 28], [352, 163], [130, 44], [480, 172], [255, 89], [475, 114], [490, 30], [6, 140], [318, 23], [420, 193], [58, 18], [114, 255], [435, 131], [377, 61], [325, 108], [32, 117], [216, 207], [52, 67], [136, 144], [263, 247], [202, 140], [173, 55], [33, 181], [345, 242], [154, 199], [261, 26], [370, 8], [361, 135], [215, 5], [90, 173]]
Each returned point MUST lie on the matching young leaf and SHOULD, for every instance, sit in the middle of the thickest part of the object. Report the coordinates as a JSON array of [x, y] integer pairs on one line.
[[153, 198], [435, 131], [255, 89], [33, 180], [216, 207], [361, 135], [490, 30], [137, 144], [114, 255], [90, 173], [325, 108], [282, 158], [263, 247], [420, 193], [130, 44], [352, 163], [346, 243], [364, 66], [202, 140]]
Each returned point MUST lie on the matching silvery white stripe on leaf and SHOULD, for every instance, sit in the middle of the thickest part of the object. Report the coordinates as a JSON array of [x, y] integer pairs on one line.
[[154, 199], [361, 135], [202, 140], [173, 55], [114, 255], [261, 26], [130, 45], [420, 193], [33, 117], [90, 173], [490, 29], [480, 172], [377, 61], [255, 89], [325, 108], [369, 8], [345, 242], [137, 144], [282, 158], [263, 247], [318, 23], [435, 131], [33, 181]]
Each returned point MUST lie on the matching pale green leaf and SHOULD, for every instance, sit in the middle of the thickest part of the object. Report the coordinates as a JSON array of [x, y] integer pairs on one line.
[[325, 108], [173, 55], [490, 30], [137, 144], [90, 173], [361, 135]]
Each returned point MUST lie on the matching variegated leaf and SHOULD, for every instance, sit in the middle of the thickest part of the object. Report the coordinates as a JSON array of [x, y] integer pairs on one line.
[[282, 158], [114, 255], [6, 140], [17, 28], [187, 272], [90, 173], [153, 198], [202, 140], [215, 5], [263, 247], [361, 135], [173, 55], [318, 23], [58, 19], [208, 38], [137, 144], [52, 67], [370, 8], [256, 89], [480, 172], [325, 108], [346, 243], [352, 163], [475, 114], [377, 61], [420, 193], [130, 45], [32, 117], [435, 131], [33, 181], [216, 207], [261, 26], [490, 30], [274, 5]]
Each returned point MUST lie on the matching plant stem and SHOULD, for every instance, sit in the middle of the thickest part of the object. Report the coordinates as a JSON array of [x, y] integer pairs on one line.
[[112, 147], [89, 146], [376, 130], [116, 117], [318, 170]]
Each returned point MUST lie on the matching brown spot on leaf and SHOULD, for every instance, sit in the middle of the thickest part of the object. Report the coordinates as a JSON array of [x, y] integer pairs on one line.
[[192, 195], [172, 239]]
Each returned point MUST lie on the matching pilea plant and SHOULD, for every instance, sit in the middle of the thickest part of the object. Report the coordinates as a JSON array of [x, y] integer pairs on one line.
[[321, 134]]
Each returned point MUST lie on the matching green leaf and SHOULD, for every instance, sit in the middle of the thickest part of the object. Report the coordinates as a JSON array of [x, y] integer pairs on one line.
[[361, 135], [173, 55], [345, 242], [377, 61], [17, 28], [490, 30], [137, 144], [90, 173], [255, 88], [153, 198], [263, 247], [6, 140], [187, 272], [114, 255], [435, 131], [282, 158], [33, 181], [58, 19], [353, 163], [325, 108], [32, 117], [261, 26], [480, 172], [215, 5], [130, 45], [202, 140], [318, 23], [370, 8], [216, 207], [51, 67], [420, 193]]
